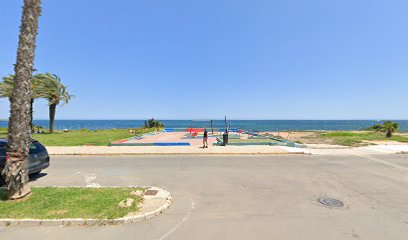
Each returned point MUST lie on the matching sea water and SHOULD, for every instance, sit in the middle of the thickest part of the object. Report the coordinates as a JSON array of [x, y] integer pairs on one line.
[[252, 125]]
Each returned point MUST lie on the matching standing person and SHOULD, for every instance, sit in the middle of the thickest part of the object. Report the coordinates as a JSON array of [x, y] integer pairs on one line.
[[225, 138], [205, 138]]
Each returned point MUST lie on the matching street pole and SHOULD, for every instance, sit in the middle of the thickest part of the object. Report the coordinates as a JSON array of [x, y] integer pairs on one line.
[[212, 129]]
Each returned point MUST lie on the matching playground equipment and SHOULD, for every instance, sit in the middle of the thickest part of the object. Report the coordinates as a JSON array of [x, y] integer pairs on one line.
[[151, 144], [218, 130], [193, 132]]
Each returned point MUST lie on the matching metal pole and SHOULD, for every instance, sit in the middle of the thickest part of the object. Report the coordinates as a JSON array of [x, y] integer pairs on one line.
[[212, 129]]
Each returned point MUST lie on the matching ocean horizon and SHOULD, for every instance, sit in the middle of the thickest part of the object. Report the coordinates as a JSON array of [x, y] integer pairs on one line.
[[252, 125]]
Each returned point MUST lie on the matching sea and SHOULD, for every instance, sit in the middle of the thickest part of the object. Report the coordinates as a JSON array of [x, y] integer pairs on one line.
[[250, 125]]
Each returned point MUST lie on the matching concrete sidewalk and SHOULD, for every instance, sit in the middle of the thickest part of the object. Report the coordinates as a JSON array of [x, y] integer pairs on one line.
[[169, 150], [315, 149]]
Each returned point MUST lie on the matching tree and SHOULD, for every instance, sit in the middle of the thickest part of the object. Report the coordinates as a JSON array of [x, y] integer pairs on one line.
[[55, 92], [6, 90], [390, 127], [19, 139], [6, 87], [376, 127], [152, 123]]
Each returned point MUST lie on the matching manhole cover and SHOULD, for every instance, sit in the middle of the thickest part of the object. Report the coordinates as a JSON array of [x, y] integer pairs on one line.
[[151, 192], [330, 202]]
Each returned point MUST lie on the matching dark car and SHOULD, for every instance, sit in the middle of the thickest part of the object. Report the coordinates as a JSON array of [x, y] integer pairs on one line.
[[37, 161]]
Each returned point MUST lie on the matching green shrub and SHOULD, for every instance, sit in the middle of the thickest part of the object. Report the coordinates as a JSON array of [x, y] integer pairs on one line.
[[152, 123], [375, 127], [388, 127]]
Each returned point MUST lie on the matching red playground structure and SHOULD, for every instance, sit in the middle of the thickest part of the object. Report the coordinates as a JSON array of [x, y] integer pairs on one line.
[[194, 131]]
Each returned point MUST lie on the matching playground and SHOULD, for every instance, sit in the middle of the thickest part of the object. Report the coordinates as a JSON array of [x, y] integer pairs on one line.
[[169, 137], [194, 137]]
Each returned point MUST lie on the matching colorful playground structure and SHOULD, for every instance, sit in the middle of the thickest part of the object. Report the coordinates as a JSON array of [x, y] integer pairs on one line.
[[193, 137], [166, 137]]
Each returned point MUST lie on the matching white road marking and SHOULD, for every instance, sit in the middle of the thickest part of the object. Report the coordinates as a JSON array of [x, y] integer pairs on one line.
[[89, 178], [390, 164], [187, 216]]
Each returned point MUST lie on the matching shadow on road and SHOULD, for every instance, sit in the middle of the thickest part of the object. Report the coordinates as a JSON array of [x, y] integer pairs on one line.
[[33, 178]]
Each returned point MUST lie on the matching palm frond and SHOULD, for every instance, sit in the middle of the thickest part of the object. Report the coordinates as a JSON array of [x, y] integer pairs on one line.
[[6, 87], [51, 88]]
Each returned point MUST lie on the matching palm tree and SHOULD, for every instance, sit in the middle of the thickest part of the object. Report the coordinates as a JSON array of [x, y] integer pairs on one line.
[[6, 90], [55, 92], [15, 171], [6, 87], [390, 127]]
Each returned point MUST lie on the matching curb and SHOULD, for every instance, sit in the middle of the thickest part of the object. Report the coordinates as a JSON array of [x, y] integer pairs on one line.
[[163, 154], [90, 221]]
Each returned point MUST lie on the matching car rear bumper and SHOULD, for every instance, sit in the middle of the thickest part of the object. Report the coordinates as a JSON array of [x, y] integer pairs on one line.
[[38, 168]]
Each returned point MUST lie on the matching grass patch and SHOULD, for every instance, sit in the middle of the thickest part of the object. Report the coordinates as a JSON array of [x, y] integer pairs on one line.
[[358, 138], [84, 137], [54, 203], [3, 132]]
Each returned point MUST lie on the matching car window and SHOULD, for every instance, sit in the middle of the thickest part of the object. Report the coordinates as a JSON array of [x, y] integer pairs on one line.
[[40, 147], [3, 148], [33, 148]]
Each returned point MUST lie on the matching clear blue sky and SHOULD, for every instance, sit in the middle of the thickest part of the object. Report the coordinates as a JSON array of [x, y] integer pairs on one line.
[[293, 59]]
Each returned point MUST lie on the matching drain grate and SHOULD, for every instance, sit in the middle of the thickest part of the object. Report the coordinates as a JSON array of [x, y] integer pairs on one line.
[[330, 202], [151, 192]]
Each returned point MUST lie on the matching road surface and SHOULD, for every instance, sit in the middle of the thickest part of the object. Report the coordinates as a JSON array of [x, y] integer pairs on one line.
[[244, 197]]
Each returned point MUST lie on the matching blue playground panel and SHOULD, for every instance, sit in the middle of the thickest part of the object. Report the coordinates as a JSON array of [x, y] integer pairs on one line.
[[171, 144], [230, 130]]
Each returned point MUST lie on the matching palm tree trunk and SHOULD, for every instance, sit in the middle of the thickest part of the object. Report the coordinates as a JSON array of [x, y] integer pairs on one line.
[[15, 171], [31, 115], [53, 108]]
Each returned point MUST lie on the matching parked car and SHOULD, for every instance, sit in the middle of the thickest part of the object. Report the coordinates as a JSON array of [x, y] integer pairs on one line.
[[38, 159]]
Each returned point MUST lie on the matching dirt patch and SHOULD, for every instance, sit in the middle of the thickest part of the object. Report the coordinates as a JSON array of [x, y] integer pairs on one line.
[[58, 212], [312, 137]]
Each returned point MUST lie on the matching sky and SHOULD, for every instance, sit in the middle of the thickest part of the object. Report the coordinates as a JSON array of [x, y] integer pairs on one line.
[[253, 59]]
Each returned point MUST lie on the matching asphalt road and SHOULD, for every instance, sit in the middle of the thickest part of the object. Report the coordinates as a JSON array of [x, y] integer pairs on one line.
[[244, 197]]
